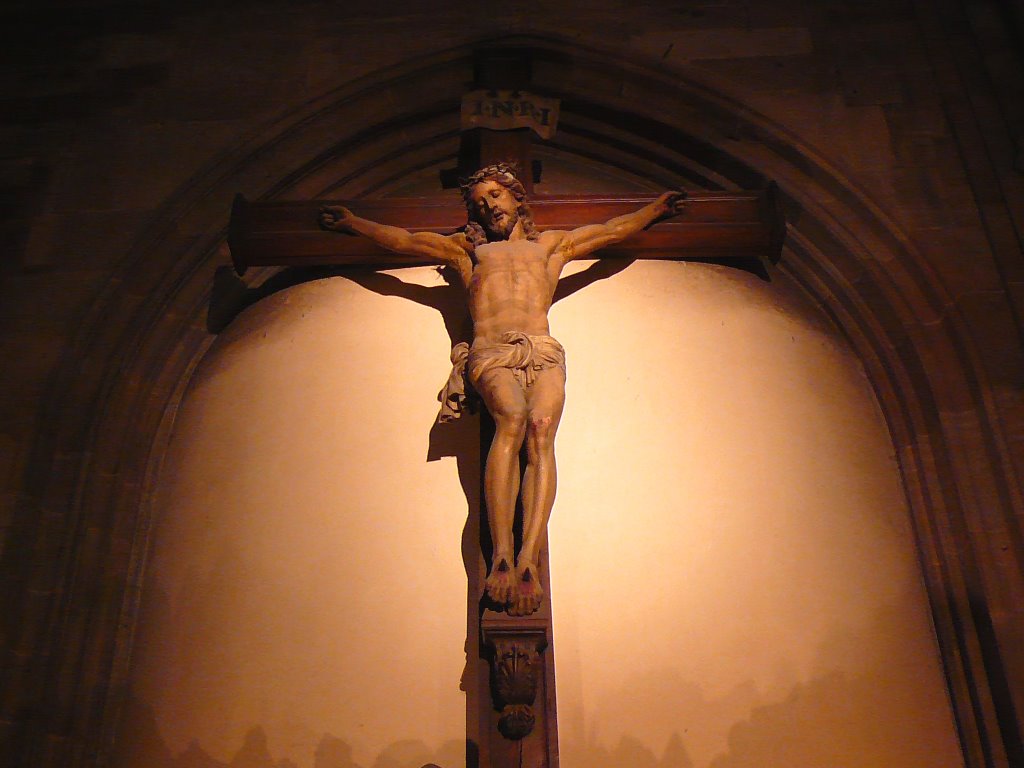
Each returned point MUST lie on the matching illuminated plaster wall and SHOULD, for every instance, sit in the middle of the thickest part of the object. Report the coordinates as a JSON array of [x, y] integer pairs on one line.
[[734, 575], [306, 587]]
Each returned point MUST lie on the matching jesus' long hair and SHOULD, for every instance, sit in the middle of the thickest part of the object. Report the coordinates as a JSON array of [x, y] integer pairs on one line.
[[506, 175]]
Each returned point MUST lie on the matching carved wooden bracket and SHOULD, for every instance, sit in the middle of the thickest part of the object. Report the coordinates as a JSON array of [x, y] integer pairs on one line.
[[517, 668]]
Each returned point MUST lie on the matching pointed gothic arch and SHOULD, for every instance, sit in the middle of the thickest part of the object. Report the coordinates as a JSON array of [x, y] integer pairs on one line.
[[114, 396]]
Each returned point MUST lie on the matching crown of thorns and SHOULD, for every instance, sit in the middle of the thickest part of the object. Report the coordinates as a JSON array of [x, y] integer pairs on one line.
[[505, 174]]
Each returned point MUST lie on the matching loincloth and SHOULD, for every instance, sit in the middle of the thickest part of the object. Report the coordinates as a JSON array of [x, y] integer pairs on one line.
[[521, 353]]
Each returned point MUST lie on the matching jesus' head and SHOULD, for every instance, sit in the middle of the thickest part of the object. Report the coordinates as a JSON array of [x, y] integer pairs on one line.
[[496, 201]]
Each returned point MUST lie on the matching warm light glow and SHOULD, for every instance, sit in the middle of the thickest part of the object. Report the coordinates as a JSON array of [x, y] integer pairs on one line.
[[303, 540], [733, 572], [735, 581]]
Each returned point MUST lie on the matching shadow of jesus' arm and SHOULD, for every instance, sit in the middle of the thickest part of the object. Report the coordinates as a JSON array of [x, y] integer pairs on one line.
[[599, 270]]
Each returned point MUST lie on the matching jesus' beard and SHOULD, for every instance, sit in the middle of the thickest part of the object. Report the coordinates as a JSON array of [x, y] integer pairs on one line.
[[502, 229]]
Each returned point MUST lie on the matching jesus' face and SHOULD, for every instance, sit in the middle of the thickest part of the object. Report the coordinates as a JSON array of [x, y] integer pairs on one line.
[[495, 207]]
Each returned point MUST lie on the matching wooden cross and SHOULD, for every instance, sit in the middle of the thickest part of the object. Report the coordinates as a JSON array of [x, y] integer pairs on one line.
[[511, 720]]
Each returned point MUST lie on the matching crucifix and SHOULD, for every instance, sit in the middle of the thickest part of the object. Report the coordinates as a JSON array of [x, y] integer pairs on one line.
[[509, 270], [509, 257]]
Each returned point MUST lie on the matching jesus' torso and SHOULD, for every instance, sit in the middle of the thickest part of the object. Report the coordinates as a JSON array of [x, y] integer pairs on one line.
[[511, 287]]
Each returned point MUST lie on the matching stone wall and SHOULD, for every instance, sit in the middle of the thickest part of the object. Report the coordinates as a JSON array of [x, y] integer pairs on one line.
[[126, 127]]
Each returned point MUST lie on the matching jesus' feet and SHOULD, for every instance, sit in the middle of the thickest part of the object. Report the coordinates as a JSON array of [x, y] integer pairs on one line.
[[500, 580], [527, 595]]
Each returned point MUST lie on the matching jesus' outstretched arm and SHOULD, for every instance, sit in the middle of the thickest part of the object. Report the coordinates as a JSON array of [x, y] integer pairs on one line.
[[582, 242], [449, 250]]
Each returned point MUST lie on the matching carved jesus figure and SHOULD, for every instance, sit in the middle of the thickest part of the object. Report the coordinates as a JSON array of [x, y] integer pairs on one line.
[[510, 271]]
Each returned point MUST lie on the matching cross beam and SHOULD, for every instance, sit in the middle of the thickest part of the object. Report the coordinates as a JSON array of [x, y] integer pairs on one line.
[[723, 227]]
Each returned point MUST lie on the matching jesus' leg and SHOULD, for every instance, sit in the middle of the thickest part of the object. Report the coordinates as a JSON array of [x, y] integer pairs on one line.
[[506, 403], [544, 401]]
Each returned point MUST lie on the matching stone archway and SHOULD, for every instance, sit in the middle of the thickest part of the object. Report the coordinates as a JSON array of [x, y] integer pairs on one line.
[[114, 397]]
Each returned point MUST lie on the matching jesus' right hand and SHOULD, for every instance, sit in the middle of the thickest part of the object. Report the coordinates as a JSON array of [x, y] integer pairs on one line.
[[335, 218]]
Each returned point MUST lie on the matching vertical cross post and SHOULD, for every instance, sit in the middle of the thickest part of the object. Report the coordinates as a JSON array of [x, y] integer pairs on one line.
[[514, 726]]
